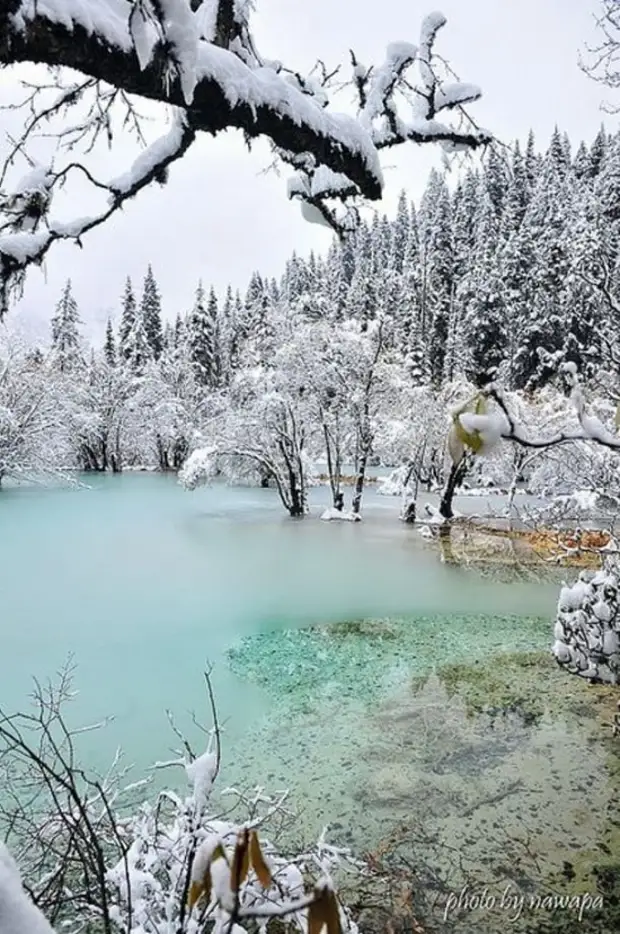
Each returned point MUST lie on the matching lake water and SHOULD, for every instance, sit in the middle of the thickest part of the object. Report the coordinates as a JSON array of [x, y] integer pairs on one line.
[[145, 584]]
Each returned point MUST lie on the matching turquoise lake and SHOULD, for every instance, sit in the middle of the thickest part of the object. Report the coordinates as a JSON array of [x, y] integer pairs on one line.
[[144, 585]]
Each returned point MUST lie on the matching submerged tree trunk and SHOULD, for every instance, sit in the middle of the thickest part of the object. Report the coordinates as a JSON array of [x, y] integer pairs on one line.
[[364, 447], [361, 477], [334, 466], [410, 494], [455, 478]]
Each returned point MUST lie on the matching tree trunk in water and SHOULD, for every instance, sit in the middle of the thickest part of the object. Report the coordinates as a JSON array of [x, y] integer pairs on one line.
[[409, 513], [359, 482], [334, 470], [297, 507], [455, 478], [410, 495], [116, 458], [162, 455]]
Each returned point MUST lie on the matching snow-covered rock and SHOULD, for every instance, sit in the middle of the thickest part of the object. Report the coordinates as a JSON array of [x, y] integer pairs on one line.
[[587, 627], [334, 515]]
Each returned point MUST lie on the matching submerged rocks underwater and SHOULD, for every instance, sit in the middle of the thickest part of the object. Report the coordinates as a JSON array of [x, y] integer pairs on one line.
[[452, 754]]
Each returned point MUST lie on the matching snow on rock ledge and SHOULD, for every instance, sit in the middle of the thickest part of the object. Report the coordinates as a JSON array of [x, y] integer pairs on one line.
[[587, 628], [331, 515]]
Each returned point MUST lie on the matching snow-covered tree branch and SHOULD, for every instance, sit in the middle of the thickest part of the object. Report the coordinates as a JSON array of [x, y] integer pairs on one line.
[[200, 59], [94, 852], [603, 58]]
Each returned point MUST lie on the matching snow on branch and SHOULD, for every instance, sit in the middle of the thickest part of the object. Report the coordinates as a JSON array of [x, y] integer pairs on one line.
[[393, 110], [91, 857], [25, 208], [479, 428], [200, 57], [604, 57]]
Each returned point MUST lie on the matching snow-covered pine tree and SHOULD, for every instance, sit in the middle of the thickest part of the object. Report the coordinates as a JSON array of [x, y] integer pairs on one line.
[[437, 273], [238, 334], [532, 163], [495, 175], [591, 257], [361, 298], [541, 335], [128, 318], [109, 347], [581, 162], [201, 337], [400, 232], [228, 338], [607, 183], [334, 283], [484, 332], [557, 153], [408, 323], [381, 245], [257, 317], [151, 314], [136, 347], [66, 351], [598, 153], [517, 194], [179, 331]]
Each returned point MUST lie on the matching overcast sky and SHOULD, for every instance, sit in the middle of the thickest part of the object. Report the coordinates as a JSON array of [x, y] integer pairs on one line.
[[221, 216]]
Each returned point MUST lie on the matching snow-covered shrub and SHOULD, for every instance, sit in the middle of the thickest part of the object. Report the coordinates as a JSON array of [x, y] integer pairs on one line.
[[587, 627], [34, 441], [96, 854]]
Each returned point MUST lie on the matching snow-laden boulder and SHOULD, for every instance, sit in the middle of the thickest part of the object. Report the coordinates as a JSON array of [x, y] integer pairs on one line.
[[587, 626], [340, 515]]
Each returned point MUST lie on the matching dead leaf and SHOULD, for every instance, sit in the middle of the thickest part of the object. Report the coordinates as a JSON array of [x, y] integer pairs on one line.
[[241, 861], [259, 865]]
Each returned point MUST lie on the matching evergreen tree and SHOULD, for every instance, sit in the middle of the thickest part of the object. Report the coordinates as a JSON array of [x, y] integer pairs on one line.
[[581, 162], [201, 337], [151, 314], [437, 274], [557, 154], [484, 332], [517, 196], [65, 332], [463, 213], [334, 283], [607, 183], [128, 318], [598, 152], [361, 297], [591, 253], [179, 331], [496, 179], [109, 347], [237, 334], [531, 163], [409, 335], [541, 336], [229, 338], [137, 348], [400, 233]]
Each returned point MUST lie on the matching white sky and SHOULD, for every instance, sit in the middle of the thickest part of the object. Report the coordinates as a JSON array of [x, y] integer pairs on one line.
[[220, 216]]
